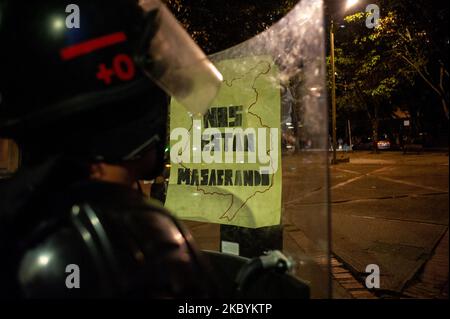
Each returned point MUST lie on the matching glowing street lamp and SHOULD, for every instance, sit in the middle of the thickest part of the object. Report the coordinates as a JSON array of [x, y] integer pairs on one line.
[[350, 3]]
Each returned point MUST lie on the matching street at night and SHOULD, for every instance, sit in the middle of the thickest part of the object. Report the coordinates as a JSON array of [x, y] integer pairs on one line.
[[392, 210], [389, 209], [228, 157]]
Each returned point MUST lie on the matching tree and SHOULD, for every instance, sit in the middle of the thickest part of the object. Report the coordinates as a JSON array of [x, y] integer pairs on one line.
[[367, 76], [422, 43], [377, 66], [216, 24]]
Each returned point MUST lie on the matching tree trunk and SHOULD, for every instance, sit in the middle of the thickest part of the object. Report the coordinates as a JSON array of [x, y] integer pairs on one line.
[[375, 135], [375, 126], [444, 106]]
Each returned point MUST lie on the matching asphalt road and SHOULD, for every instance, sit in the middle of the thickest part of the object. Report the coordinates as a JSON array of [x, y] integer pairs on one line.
[[388, 209], [391, 210]]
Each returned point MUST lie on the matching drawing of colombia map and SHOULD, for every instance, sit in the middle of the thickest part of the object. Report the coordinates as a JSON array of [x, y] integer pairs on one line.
[[232, 179]]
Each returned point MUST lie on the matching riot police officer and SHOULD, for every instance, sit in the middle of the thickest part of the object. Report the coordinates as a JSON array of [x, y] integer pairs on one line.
[[84, 93]]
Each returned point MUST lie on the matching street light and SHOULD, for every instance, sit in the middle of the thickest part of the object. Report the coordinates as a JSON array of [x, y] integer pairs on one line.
[[348, 5]]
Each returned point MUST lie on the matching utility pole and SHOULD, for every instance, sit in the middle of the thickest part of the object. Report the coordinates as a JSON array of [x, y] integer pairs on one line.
[[349, 135], [333, 94]]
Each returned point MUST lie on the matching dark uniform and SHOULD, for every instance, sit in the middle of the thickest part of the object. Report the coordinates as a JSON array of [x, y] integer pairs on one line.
[[70, 97], [123, 244]]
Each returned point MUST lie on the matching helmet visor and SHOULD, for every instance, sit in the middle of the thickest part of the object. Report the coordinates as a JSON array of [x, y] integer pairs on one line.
[[175, 62]]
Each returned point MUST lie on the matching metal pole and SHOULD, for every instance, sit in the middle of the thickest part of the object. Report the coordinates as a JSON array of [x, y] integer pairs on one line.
[[350, 135], [333, 93]]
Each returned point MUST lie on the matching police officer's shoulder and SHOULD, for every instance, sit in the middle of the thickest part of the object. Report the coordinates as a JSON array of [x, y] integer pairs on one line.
[[120, 204], [50, 264], [115, 241]]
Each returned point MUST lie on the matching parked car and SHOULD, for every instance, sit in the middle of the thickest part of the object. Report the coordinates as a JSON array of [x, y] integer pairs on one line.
[[383, 145]]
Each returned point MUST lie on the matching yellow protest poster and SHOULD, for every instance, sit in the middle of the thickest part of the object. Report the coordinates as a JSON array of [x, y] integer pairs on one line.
[[226, 165]]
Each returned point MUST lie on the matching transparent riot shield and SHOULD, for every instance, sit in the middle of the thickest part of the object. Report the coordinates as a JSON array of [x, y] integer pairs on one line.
[[251, 175]]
